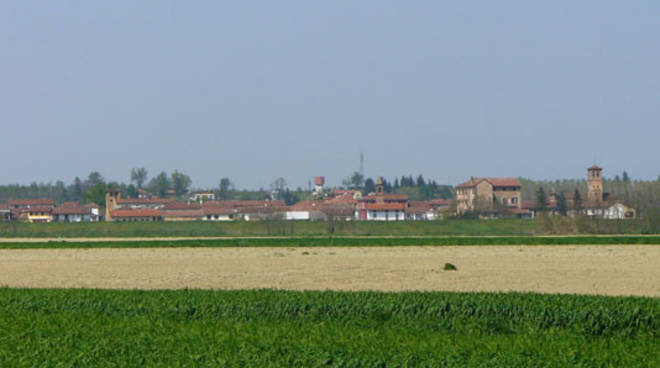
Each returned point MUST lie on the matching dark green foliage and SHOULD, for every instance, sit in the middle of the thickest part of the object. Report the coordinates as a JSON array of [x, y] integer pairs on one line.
[[159, 184], [180, 182], [324, 241], [577, 201], [290, 329], [562, 205], [541, 200], [449, 267], [370, 186]]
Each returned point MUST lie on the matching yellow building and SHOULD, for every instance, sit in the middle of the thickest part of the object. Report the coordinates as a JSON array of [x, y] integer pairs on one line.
[[38, 214]]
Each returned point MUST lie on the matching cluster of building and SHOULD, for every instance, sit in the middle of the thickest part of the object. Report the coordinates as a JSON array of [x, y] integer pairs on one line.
[[493, 195], [489, 197], [338, 204], [44, 210]]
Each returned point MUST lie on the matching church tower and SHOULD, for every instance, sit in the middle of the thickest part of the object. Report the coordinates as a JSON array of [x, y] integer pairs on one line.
[[111, 197], [595, 183], [380, 187]]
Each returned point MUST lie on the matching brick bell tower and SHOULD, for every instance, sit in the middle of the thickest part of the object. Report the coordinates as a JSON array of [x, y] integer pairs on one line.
[[111, 197], [595, 183]]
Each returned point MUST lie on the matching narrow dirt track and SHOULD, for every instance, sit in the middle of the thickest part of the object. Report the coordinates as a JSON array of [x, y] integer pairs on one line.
[[605, 270]]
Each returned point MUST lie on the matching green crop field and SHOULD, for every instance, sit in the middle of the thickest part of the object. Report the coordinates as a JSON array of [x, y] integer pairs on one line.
[[454, 227], [269, 228], [266, 328], [325, 241]]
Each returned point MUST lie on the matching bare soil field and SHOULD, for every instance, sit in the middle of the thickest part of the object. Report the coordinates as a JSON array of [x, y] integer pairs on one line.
[[603, 270]]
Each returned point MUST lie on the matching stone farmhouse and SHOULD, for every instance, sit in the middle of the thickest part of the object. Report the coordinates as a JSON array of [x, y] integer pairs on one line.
[[487, 194]]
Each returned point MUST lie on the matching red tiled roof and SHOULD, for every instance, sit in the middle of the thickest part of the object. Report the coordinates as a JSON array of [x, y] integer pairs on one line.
[[70, 210], [145, 200], [142, 191], [173, 206], [337, 208], [137, 213], [184, 213], [238, 204], [441, 202], [384, 197], [504, 182], [39, 209], [91, 205], [217, 211], [496, 182], [4, 206], [418, 207], [386, 206], [70, 204], [32, 202], [306, 206], [528, 204]]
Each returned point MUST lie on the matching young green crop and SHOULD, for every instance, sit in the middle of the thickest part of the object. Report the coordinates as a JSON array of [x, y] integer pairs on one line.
[[288, 329]]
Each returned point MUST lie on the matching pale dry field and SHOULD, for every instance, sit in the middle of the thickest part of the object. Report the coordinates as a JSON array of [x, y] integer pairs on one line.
[[604, 270]]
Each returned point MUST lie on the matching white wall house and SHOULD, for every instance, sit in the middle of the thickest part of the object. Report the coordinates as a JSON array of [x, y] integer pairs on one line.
[[616, 211]]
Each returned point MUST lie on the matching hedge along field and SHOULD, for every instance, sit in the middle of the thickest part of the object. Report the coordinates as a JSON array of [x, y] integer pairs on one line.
[[247, 328], [268, 228], [342, 242]]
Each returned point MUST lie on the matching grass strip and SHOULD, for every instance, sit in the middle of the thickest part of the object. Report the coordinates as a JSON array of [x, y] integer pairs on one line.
[[344, 242]]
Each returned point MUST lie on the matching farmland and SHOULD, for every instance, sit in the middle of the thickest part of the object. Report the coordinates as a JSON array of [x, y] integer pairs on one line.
[[286, 329], [581, 269], [342, 301], [321, 241]]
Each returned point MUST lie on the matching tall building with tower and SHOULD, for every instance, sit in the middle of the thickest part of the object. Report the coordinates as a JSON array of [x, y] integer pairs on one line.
[[595, 184], [319, 182]]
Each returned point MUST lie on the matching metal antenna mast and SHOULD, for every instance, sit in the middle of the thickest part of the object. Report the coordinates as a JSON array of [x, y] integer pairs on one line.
[[362, 163]]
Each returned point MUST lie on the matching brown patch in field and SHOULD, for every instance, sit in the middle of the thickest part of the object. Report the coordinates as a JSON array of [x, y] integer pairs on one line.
[[606, 270]]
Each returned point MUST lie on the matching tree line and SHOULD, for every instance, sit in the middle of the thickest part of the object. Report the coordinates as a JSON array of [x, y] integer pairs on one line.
[[417, 189]]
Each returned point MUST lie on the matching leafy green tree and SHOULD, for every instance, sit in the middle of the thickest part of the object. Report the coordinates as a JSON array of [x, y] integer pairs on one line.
[[131, 191], [139, 176], [96, 194], [420, 181], [225, 187], [159, 184], [369, 186], [541, 200], [357, 180], [180, 182], [94, 178], [77, 191], [289, 197]]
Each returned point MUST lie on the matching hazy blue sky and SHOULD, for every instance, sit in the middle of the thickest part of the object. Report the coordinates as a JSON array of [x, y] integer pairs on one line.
[[254, 90]]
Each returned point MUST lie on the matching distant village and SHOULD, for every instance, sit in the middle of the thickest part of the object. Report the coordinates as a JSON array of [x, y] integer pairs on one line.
[[481, 197]]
